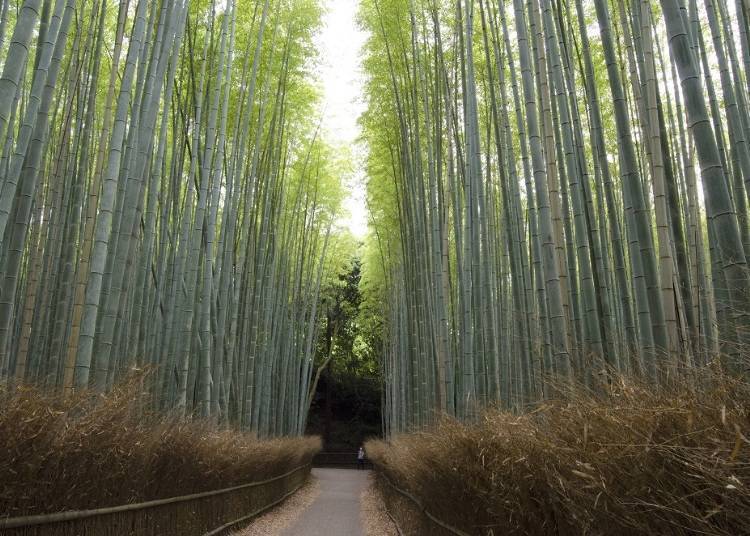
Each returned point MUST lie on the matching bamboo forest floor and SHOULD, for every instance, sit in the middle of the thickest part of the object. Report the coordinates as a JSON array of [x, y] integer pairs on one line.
[[336, 502]]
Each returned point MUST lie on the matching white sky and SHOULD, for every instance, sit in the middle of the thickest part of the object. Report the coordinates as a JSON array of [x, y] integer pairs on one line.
[[341, 79]]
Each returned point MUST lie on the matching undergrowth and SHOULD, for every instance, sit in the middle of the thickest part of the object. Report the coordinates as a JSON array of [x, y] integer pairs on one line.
[[88, 451], [634, 461]]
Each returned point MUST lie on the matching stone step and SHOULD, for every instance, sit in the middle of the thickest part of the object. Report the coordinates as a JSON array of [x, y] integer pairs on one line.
[[338, 459]]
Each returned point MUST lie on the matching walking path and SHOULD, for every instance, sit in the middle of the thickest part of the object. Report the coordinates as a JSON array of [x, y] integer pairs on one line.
[[336, 509], [335, 502]]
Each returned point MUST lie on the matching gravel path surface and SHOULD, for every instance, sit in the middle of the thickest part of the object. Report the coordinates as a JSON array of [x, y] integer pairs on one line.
[[335, 502], [375, 519], [336, 510], [273, 522]]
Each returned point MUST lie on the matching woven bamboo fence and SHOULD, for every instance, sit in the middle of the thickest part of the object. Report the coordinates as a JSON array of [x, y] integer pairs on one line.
[[408, 512], [209, 513]]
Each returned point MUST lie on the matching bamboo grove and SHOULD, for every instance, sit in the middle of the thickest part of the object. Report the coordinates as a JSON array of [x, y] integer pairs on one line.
[[558, 189], [166, 202]]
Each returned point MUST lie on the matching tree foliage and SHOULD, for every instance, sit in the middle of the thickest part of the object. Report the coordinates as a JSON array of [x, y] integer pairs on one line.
[[167, 201], [557, 190]]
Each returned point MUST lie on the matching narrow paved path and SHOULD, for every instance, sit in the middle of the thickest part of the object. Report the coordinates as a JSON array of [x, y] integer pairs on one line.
[[336, 509]]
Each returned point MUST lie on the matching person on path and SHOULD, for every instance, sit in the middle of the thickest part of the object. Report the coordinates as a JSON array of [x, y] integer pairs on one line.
[[361, 458]]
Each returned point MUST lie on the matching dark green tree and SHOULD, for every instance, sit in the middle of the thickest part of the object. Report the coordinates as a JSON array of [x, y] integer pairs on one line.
[[346, 405]]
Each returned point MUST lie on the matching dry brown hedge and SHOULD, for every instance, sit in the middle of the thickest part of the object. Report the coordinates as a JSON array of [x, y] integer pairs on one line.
[[67, 453], [633, 462]]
